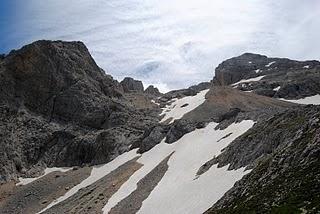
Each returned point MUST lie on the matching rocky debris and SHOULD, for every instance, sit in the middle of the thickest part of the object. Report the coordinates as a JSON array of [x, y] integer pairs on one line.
[[224, 103], [35, 196], [151, 90], [93, 198], [131, 85], [133, 202], [283, 78], [284, 154], [58, 108]]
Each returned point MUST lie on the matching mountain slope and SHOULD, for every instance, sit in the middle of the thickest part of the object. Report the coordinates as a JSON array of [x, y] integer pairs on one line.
[[77, 141], [286, 175]]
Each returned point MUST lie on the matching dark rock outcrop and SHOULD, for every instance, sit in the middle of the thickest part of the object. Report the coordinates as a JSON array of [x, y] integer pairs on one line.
[[131, 85]]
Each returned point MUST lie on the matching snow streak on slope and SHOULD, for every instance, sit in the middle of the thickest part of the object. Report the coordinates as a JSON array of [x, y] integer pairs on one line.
[[97, 173], [24, 181], [179, 191], [315, 100], [180, 107], [256, 79]]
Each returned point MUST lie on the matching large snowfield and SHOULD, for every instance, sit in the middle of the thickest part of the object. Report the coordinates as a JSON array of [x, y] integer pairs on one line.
[[180, 191]]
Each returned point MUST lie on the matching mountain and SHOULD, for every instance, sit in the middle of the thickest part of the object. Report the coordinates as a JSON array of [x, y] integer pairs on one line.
[[273, 77], [74, 140], [58, 108]]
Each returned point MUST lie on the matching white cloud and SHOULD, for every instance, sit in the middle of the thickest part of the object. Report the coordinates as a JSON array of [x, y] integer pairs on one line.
[[182, 39]]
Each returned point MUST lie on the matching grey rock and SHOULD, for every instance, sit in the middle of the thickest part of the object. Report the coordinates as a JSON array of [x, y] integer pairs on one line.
[[131, 85]]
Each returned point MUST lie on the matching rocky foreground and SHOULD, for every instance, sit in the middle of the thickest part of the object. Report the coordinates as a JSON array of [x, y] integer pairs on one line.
[[123, 146]]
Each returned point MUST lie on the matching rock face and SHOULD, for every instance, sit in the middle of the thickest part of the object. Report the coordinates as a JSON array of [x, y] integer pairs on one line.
[[59, 81], [58, 108], [131, 85], [285, 152], [283, 78]]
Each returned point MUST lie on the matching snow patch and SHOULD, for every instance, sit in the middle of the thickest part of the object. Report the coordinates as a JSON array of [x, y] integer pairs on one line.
[[154, 102], [271, 63], [25, 181], [97, 173], [256, 79], [179, 191], [306, 67], [313, 100], [174, 110], [258, 71], [277, 88], [250, 62]]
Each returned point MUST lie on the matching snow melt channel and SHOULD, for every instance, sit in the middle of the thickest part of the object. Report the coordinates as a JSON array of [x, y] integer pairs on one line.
[[179, 191], [180, 107], [256, 79], [313, 100]]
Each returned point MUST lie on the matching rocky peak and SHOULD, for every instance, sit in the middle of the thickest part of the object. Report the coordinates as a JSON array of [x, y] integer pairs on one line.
[[59, 80], [151, 90], [131, 85], [273, 77], [251, 65]]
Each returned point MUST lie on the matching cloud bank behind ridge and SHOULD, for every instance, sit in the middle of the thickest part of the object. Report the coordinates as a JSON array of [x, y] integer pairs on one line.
[[169, 43]]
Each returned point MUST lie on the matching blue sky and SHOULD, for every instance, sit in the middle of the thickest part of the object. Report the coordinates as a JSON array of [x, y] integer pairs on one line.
[[169, 43]]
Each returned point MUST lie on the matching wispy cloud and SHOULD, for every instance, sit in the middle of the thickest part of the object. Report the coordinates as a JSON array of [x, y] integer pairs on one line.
[[171, 43]]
